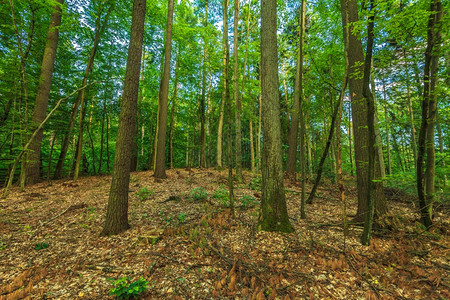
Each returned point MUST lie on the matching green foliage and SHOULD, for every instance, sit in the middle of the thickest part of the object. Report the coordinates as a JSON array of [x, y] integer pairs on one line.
[[198, 194], [125, 289], [40, 246], [144, 193], [248, 201], [181, 218], [255, 183], [222, 196]]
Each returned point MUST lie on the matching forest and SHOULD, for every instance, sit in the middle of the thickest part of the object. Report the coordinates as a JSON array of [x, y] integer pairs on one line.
[[235, 149]]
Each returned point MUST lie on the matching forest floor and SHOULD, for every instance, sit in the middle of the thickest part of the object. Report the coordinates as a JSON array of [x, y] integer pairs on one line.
[[50, 246]]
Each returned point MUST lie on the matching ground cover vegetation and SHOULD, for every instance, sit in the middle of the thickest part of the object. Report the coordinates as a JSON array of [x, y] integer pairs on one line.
[[223, 149]]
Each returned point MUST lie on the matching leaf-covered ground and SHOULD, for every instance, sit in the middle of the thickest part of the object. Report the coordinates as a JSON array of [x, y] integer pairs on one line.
[[193, 249]]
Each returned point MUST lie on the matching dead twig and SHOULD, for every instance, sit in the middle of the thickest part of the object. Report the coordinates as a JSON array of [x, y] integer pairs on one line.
[[72, 207]]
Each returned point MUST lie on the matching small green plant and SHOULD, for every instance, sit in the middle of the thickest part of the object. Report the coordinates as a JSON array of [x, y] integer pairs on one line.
[[255, 183], [40, 246], [125, 289], [144, 193], [222, 196], [198, 194], [248, 201], [2, 246], [181, 218]]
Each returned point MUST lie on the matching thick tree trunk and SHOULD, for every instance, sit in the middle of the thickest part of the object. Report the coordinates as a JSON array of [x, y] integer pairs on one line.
[[117, 211], [160, 158], [45, 82], [273, 215]]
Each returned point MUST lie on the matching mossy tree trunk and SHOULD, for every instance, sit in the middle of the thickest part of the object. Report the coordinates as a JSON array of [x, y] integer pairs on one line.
[[273, 215]]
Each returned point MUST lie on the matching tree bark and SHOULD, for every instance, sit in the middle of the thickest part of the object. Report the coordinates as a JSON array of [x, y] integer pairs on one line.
[[203, 96], [291, 165], [117, 210], [225, 60], [273, 214], [238, 126], [45, 81], [160, 159], [425, 182], [172, 114], [386, 120], [359, 107]]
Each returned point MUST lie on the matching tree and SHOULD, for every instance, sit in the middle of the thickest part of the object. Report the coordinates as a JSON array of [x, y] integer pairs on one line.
[[291, 164], [237, 100], [40, 108], [425, 182], [349, 11], [99, 30], [160, 161], [273, 215], [203, 95], [117, 211], [225, 65]]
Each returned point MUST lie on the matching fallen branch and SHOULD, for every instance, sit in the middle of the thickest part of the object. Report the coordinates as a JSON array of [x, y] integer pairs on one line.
[[72, 207]]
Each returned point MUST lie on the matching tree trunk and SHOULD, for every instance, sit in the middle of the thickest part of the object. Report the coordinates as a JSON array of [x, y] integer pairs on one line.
[[102, 134], [117, 210], [45, 81], [371, 147], [79, 146], [172, 114], [330, 137], [291, 165], [99, 29], [386, 120], [225, 59], [258, 136], [273, 215], [425, 182], [410, 111], [203, 96], [349, 10], [238, 126], [160, 158], [252, 147], [91, 140]]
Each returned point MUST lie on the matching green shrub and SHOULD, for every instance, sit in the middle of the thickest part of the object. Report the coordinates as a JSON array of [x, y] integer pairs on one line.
[[222, 196], [248, 201], [255, 183], [123, 289], [181, 217], [40, 246], [144, 193], [198, 194]]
